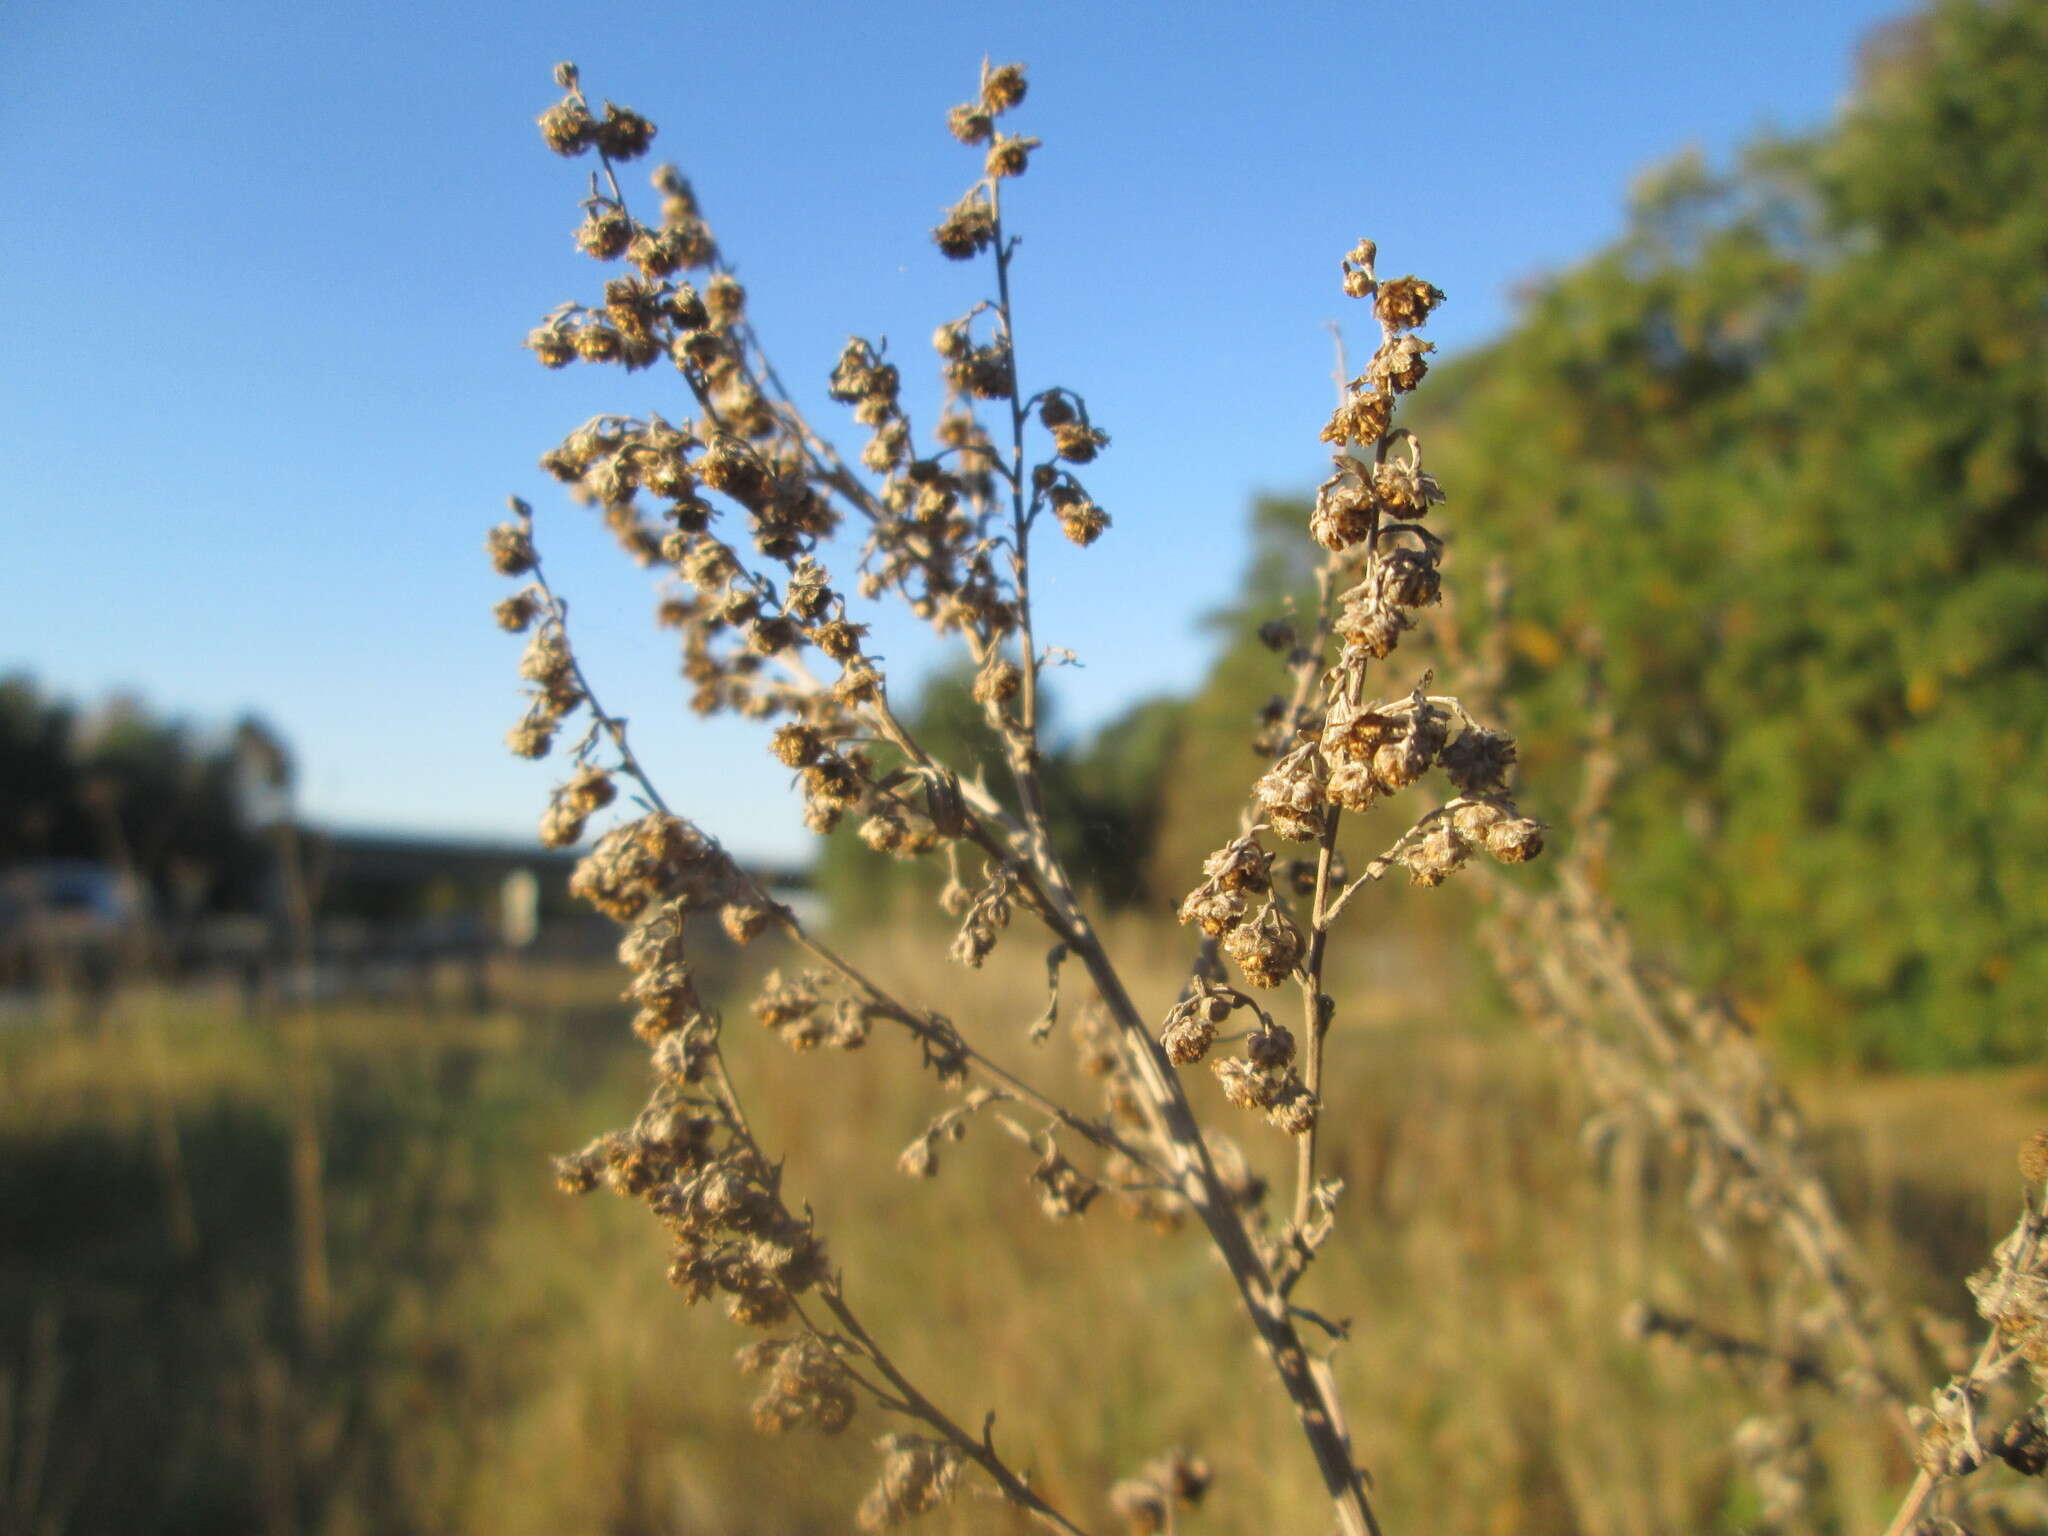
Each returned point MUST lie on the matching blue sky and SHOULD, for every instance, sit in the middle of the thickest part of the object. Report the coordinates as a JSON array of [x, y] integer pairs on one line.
[[268, 268]]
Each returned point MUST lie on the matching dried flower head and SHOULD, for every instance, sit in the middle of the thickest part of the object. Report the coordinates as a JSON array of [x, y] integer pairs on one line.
[[968, 229], [567, 127], [1002, 88], [1406, 302], [624, 134], [1265, 948], [510, 547]]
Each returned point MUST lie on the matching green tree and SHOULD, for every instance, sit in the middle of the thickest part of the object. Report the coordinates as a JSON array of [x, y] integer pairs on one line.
[[1785, 446]]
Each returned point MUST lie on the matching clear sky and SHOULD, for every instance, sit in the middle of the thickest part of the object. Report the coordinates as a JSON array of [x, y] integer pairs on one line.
[[267, 269]]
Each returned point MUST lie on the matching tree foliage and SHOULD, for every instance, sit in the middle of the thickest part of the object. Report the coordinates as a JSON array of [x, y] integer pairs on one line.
[[121, 786], [1785, 447]]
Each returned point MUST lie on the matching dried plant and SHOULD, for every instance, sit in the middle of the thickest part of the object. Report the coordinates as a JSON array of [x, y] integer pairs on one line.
[[1670, 1068], [734, 503]]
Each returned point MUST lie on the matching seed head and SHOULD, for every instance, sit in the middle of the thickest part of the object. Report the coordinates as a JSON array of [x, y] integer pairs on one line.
[[968, 229], [2034, 1159], [1214, 909], [554, 344], [1010, 155], [531, 738], [1189, 1032], [561, 825], [1359, 282], [1081, 521], [590, 790], [1002, 88], [1404, 488], [1293, 1110], [1436, 856], [969, 124], [1077, 443], [1399, 364], [1271, 1049], [998, 681], [605, 233], [510, 547], [1243, 1084], [796, 745], [725, 301], [1405, 302], [1240, 865], [1266, 948], [624, 135], [567, 127], [918, 1475], [1362, 419], [1515, 840]]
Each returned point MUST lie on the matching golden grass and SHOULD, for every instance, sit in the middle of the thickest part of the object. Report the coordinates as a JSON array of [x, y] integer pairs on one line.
[[511, 1361]]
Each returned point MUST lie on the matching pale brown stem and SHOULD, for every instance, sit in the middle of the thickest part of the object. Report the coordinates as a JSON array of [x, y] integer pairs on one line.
[[1175, 1126]]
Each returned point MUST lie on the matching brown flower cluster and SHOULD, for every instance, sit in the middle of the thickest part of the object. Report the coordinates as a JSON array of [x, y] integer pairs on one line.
[[1147, 1502], [918, 1475], [1264, 1078], [1335, 751]]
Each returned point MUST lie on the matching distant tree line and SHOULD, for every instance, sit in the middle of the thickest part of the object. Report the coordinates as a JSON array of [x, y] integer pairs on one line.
[[1783, 449], [119, 785]]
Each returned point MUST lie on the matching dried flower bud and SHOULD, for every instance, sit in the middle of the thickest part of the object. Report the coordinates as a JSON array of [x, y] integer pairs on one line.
[[516, 613], [1358, 269], [1240, 865], [531, 738], [1399, 364], [1405, 302], [1405, 489], [796, 745], [1063, 1190], [1270, 1049], [1362, 419], [1515, 840], [1217, 911], [2034, 1159], [561, 826], [1277, 635], [998, 681], [1010, 155], [970, 124], [1408, 752], [510, 547], [624, 135], [918, 1475], [554, 344], [567, 127], [1291, 794], [1002, 88], [1082, 521], [1243, 1084], [605, 234], [968, 229], [725, 301], [1293, 1110], [839, 639], [1266, 948], [589, 790], [1478, 760], [1078, 444], [920, 1160], [1436, 856]]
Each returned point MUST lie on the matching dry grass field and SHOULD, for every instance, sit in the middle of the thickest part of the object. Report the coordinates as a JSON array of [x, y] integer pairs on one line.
[[503, 1359]]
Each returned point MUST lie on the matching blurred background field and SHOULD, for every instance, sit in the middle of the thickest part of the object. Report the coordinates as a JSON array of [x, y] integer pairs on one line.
[[497, 1357]]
